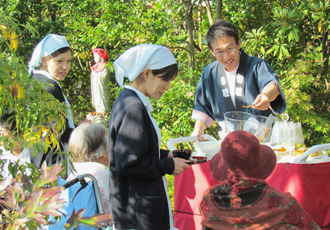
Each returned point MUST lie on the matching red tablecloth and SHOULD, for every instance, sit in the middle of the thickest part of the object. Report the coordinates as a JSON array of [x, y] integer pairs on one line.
[[307, 182]]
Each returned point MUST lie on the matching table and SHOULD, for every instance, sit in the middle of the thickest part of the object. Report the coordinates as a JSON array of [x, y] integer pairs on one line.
[[191, 184], [189, 188]]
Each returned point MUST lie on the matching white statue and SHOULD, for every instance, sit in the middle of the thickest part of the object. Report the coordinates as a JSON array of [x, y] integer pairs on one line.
[[100, 79]]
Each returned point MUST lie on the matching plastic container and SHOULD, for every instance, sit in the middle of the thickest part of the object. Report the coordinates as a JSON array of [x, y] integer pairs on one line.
[[238, 121], [210, 148], [258, 125]]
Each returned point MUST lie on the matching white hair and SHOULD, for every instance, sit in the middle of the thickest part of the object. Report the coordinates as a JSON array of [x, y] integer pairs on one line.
[[88, 142]]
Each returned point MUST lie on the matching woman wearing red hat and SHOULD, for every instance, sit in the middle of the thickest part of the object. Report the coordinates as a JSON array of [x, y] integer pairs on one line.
[[100, 79], [243, 199]]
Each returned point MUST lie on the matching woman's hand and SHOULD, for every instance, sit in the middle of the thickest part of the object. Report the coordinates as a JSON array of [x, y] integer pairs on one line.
[[180, 165]]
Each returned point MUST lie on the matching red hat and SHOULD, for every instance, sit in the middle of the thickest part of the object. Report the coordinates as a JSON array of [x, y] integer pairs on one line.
[[242, 155], [102, 53]]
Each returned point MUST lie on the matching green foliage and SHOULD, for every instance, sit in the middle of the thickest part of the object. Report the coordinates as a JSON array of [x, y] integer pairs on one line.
[[37, 124], [25, 201], [172, 112]]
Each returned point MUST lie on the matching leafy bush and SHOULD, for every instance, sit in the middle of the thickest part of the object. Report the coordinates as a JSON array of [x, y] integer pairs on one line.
[[28, 196], [28, 199]]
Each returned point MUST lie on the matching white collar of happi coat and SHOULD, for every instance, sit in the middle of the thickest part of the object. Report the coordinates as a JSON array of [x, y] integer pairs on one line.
[[143, 98]]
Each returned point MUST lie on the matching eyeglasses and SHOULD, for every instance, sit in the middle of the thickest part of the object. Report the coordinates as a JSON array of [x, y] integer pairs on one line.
[[228, 51]]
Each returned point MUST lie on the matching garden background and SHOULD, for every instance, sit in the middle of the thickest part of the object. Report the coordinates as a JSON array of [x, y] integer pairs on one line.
[[293, 36]]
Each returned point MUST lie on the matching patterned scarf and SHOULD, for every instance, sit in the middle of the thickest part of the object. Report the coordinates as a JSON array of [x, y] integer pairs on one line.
[[247, 203]]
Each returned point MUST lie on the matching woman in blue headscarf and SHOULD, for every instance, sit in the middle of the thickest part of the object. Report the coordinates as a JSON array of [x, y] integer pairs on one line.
[[49, 64], [138, 166]]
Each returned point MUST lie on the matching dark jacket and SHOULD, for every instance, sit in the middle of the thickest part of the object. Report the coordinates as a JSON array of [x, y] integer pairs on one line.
[[138, 198], [54, 88]]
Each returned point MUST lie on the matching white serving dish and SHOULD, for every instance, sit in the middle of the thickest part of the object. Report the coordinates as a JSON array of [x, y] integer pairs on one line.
[[210, 148]]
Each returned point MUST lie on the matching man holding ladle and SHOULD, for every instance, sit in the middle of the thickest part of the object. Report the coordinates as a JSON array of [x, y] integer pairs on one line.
[[234, 82]]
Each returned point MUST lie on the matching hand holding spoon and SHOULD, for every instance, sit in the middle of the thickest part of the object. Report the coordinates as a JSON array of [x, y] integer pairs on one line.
[[248, 106]]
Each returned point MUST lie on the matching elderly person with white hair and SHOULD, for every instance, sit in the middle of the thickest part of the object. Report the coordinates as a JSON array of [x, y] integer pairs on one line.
[[89, 147], [138, 166], [50, 63]]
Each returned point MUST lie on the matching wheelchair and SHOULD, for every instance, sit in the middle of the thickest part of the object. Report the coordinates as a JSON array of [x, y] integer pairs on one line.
[[78, 194]]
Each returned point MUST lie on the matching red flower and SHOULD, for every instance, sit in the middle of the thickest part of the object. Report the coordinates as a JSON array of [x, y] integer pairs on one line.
[[274, 202], [235, 202], [293, 215]]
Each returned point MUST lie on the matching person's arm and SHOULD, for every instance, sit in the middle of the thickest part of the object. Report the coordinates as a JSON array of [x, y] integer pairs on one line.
[[202, 112], [179, 164], [270, 91], [199, 130]]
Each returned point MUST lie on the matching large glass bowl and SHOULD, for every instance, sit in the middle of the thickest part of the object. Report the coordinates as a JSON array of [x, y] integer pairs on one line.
[[258, 125]]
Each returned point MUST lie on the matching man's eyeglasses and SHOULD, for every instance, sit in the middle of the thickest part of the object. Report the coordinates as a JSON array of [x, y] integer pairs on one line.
[[228, 51]]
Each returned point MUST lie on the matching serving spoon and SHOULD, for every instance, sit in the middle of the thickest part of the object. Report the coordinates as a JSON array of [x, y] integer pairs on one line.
[[248, 106]]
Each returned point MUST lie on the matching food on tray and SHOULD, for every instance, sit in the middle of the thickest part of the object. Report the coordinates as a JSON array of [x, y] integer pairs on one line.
[[197, 160], [99, 118], [280, 149], [300, 151]]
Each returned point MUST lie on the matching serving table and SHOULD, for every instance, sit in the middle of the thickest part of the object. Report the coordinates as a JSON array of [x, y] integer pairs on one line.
[[307, 181]]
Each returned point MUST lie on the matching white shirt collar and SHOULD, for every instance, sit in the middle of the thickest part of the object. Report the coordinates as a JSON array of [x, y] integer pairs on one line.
[[143, 97], [47, 74]]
